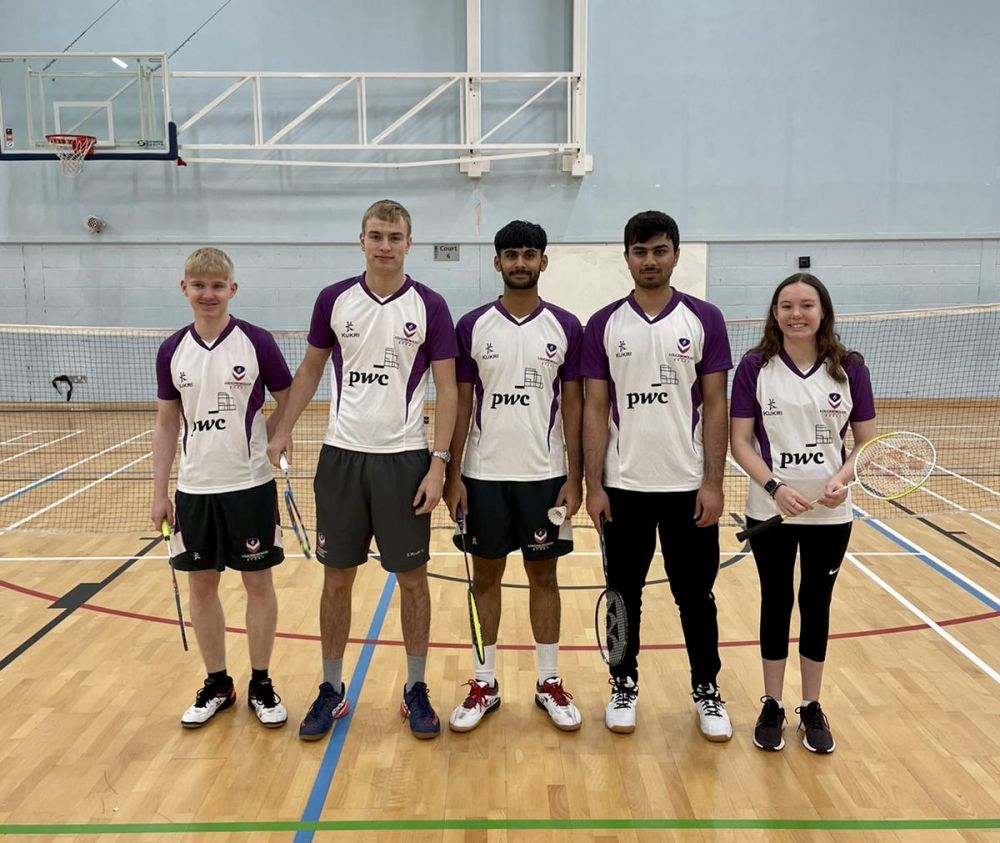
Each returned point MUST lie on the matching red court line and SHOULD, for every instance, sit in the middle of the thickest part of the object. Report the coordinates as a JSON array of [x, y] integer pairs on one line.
[[462, 645]]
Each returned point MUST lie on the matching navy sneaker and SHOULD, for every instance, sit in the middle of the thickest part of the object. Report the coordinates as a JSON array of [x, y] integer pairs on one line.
[[327, 707], [417, 708]]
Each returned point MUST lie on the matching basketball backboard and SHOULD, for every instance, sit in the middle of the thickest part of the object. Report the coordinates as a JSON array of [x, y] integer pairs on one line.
[[121, 99]]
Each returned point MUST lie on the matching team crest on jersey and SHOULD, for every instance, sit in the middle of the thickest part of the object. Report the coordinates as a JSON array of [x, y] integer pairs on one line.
[[550, 350], [541, 535], [239, 372], [541, 542], [253, 545], [551, 354], [411, 334], [683, 344], [834, 399], [254, 553]]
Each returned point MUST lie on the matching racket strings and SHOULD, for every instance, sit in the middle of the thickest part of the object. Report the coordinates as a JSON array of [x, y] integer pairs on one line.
[[892, 466]]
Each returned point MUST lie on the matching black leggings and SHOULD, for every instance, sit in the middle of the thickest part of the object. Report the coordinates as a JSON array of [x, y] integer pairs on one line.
[[821, 549], [690, 559]]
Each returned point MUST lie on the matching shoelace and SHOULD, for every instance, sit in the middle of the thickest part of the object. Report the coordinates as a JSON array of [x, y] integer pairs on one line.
[[623, 695], [265, 694], [710, 701], [209, 692], [477, 695], [419, 702], [557, 692], [771, 715], [325, 698], [813, 717]]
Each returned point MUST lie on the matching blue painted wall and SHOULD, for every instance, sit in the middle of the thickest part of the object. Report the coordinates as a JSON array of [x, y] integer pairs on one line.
[[864, 134]]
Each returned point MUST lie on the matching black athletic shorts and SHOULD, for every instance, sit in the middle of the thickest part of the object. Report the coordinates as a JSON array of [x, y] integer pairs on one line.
[[360, 495], [507, 515], [238, 530]]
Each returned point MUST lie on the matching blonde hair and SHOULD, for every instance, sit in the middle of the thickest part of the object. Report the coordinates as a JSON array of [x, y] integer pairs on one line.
[[387, 210], [209, 261]]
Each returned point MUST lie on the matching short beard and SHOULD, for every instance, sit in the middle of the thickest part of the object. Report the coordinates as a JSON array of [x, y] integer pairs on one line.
[[531, 283]]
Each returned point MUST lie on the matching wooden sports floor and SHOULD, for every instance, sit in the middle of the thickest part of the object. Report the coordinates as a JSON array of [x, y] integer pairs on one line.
[[93, 680]]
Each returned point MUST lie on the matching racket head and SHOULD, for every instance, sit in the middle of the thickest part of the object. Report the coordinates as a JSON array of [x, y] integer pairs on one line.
[[611, 627], [476, 628], [298, 527], [892, 465]]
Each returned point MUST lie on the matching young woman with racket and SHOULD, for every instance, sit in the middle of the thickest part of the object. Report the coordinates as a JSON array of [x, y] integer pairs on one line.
[[654, 435], [519, 392], [795, 394], [216, 371]]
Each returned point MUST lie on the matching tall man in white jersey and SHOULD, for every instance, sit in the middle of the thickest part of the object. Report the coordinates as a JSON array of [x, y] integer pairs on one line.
[[375, 476], [212, 375], [518, 365], [654, 436]]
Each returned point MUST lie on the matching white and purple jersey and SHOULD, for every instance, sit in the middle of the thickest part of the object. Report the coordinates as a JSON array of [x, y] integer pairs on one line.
[[382, 352], [653, 366], [221, 390], [516, 368], [800, 422]]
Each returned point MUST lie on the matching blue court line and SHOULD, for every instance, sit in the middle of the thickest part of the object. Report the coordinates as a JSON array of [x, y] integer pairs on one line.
[[920, 554], [328, 766], [34, 485]]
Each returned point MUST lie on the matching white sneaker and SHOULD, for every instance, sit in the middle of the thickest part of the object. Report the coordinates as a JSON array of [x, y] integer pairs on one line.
[[712, 716], [555, 699], [208, 701], [481, 700], [266, 704], [619, 716]]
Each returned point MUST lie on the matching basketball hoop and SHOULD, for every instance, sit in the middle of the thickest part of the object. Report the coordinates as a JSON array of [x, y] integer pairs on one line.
[[72, 150]]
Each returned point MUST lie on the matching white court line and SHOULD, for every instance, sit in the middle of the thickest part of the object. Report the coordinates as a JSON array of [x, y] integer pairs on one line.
[[79, 491], [39, 447], [948, 637], [22, 436], [54, 474]]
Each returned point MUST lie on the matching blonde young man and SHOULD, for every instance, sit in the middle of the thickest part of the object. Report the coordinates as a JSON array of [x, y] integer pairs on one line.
[[375, 476], [212, 375]]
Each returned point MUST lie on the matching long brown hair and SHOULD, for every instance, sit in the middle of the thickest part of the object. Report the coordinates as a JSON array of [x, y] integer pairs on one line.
[[828, 344]]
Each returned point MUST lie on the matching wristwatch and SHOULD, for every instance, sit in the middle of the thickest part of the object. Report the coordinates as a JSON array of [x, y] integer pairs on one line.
[[444, 456], [772, 486]]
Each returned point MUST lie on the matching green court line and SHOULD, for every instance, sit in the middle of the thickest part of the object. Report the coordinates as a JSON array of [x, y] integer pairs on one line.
[[502, 825]]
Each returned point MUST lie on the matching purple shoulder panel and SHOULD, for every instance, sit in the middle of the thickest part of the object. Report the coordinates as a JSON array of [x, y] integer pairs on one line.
[[440, 342], [743, 402], [465, 366], [165, 389], [860, 381], [715, 355], [574, 341], [273, 367], [321, 333], [593, 354]]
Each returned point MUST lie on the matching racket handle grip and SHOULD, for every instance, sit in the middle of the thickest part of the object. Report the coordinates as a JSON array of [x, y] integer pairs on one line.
[[748, 532], [165, 528], [283, 462]]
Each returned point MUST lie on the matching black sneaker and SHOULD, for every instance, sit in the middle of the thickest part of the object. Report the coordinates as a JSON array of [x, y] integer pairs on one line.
[[266, 704], [210, 700], [767, 733], [817, 736]]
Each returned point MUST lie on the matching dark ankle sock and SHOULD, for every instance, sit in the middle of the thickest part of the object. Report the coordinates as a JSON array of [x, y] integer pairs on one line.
[[258, 676], [220, 678]]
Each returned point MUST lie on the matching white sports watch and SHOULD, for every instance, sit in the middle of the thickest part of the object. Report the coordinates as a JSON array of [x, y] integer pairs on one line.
[[444, 456]]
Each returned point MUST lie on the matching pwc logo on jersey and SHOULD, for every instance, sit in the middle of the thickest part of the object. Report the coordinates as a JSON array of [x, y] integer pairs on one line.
[[411, 334], [665, 376], [208, 425], [791, 458], [355, 378]]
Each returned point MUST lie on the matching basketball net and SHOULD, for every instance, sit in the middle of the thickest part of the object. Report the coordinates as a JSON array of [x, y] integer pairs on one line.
[[71, 150]]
